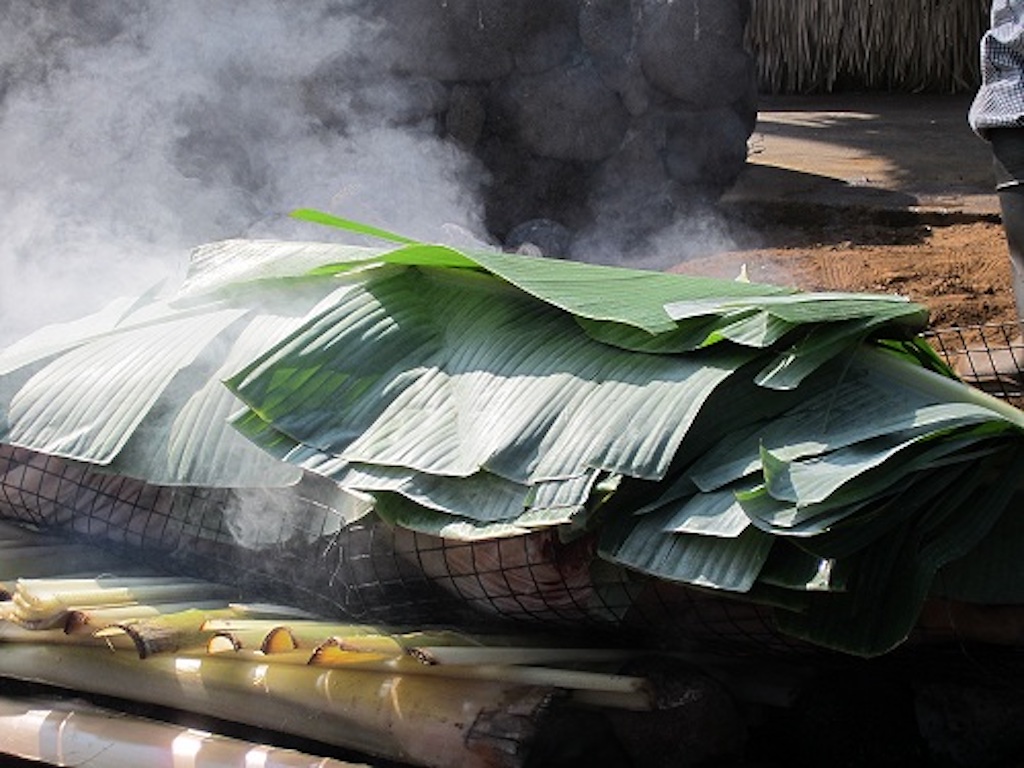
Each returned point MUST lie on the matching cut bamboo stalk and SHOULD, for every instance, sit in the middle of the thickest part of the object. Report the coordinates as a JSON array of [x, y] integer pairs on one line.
[[486, 655], [410, 718], [10, 583], [398, 644], [28, 568], [332, 655], [42, 601], [279, 640], [619, 691], [254, 640], [92, 619], [223, 642], [386, 645], [58, 733], [308, 633], [273, 611], [163, 634], [566, 679], [13, 633]]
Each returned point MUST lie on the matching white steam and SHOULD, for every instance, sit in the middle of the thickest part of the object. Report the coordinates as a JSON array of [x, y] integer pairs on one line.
[[132, 131]]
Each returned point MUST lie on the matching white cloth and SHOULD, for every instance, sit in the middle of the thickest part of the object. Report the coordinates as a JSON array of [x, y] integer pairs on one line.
[[999, 102]]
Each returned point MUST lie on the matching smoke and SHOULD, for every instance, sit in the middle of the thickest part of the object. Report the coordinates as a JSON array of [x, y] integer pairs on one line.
[[131, 131], [134, 130]]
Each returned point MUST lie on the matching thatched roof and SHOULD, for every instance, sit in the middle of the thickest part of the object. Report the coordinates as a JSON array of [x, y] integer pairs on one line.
[[899, 45]]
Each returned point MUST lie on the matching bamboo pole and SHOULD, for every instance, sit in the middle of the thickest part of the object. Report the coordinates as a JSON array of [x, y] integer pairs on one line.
[[55, 732], [416, 719], [456, 655]]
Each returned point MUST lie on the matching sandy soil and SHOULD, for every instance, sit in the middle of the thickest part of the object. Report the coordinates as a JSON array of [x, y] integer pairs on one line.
[[960, 271]]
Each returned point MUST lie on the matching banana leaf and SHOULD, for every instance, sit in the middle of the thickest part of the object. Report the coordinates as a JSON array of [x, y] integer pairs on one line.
[[748, 430]]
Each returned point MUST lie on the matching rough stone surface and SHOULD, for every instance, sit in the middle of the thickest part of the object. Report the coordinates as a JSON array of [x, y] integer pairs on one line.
[[705, 147], [693, 51], [464, 120], [558, 100], [567, 114], [549, 39]]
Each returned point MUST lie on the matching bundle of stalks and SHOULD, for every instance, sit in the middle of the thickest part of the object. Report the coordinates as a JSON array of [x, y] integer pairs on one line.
[[416, 720], [804, 46], [425, 697]]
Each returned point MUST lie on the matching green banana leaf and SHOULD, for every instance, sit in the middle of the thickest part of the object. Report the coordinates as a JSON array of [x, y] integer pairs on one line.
[[731, 436]]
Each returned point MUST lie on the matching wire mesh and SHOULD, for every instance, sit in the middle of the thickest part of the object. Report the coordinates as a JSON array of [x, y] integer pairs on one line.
[[309, 558], [369, 571], [988, 356], [299, 549]]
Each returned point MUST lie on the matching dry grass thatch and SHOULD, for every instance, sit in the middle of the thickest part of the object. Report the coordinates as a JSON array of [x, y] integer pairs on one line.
[[805, 46]]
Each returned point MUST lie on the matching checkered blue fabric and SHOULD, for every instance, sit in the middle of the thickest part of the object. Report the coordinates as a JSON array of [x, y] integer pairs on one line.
[[999, 102]]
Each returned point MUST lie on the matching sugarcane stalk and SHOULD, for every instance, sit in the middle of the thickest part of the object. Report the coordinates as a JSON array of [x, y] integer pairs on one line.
[[51, 730], [416, 719]]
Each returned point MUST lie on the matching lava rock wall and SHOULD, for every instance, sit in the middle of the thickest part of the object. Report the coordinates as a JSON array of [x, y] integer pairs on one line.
[[578, 109]]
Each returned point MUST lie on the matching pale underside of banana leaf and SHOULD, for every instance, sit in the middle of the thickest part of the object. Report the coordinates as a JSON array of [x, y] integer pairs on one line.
[[801, 450]]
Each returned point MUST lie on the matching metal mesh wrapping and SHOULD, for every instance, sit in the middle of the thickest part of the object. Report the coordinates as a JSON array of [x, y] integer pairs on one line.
[[972, 348], [367, 570]]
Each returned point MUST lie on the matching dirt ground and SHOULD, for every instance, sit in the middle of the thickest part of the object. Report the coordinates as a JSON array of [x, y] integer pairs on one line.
[[958, 269]]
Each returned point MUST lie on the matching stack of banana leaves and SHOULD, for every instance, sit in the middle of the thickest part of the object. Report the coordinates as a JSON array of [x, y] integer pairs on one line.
[[532, 438]]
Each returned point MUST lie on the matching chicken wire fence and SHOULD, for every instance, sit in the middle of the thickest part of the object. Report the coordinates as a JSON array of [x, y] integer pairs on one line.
[[976, 352], [369, 571], [289, 545]]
